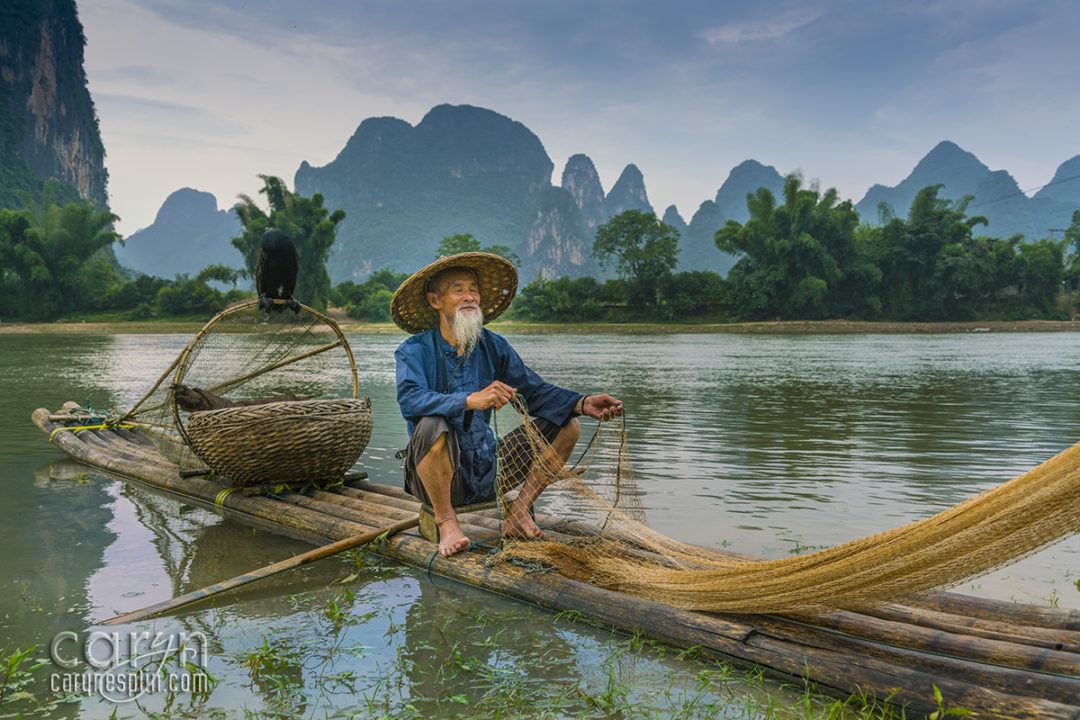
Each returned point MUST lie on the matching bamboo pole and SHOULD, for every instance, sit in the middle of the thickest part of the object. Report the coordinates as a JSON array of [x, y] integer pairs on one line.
[[341, 511], [1052, 639], [1047, 617], [307, 558]]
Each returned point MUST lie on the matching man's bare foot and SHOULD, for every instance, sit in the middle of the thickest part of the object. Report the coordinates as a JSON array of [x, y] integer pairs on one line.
[[452, 539], [519, 524]]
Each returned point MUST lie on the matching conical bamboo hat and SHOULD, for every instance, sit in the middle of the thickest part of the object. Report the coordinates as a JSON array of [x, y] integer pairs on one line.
[[496, 276]]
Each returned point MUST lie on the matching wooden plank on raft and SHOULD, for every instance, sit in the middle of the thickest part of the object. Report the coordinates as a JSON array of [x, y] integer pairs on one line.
[[167, 476], [1035, 636], [947, 640], [1047, 617]]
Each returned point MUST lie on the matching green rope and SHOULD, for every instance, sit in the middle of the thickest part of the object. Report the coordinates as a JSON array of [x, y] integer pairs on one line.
[[581, 457]]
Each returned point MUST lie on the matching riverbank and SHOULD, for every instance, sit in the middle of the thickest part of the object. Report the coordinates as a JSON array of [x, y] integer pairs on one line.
[[777, 327]]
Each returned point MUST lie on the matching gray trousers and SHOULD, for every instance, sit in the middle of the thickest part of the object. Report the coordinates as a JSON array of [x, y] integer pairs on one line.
[[513, 447]]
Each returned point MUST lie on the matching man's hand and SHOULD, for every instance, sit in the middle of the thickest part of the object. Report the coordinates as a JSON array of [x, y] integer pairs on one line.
[[494, 395], [601, 407]]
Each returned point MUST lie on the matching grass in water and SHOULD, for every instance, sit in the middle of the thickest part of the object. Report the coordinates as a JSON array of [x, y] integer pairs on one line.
[[387, 642]]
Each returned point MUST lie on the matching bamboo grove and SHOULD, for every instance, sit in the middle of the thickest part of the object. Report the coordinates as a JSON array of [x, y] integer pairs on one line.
[[807, 256]]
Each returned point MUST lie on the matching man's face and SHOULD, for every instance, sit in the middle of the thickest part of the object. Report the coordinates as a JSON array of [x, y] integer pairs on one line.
[[455, 292]]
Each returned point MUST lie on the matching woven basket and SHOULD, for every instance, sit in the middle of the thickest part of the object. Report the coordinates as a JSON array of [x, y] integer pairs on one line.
[[282, 442]]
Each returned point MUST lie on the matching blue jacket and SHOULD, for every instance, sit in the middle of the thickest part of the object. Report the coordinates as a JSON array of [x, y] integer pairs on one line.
[[433, 380]]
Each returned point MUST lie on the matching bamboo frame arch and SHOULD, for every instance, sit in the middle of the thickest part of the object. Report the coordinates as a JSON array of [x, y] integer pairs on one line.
[[181, 361]]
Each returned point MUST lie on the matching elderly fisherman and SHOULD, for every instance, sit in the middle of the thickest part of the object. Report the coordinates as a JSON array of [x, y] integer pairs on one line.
[[452, 373]]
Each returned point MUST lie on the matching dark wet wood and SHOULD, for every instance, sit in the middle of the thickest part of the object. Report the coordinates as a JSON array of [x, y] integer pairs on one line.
[[1047, 617], [1050, 638]]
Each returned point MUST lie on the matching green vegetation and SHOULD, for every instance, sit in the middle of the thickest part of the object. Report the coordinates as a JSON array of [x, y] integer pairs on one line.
[[465, 242], [806, 258], [801, 260], [369, 301], [55, 263], [50, 255], [810, 258], [15, 678], [643, 250], [311, 226]]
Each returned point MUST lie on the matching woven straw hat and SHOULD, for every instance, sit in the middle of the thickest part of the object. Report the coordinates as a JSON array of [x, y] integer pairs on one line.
[[496, 276]]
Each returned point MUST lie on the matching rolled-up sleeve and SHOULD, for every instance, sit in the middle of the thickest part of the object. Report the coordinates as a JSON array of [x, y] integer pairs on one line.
[[415, 394]]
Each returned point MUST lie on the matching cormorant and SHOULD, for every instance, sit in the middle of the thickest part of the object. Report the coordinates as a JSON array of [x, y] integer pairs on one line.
[[275, 272]]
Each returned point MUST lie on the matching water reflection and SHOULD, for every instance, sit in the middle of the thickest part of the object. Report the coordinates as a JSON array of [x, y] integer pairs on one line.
[[453, 654]]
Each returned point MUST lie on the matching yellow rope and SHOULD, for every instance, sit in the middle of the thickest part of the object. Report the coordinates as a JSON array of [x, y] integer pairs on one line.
[[88, 427], [219, 501]]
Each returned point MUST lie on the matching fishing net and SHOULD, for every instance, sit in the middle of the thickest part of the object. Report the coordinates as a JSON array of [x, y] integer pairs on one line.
[[260, 398], [604, 538]]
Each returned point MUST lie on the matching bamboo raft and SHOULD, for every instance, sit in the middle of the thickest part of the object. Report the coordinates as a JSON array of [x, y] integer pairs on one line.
[[996, 659]]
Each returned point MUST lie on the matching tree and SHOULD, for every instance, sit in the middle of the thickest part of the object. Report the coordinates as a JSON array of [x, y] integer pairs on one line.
[[1041, 266], [188, 297], [802, 259], [643, 249], [913, 284], [561, 300], [459, 243], [972, 274], [219, 273], [47, 251], [1072, 245], [311, 226], [13, 225], [694, 293], [370, 300], [465, 242]]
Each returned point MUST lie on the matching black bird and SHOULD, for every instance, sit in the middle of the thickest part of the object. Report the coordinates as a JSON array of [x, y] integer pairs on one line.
[[275, 272]]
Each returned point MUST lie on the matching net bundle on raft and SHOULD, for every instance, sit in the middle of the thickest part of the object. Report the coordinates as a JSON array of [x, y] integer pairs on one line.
[[992, 529], [265, 400]]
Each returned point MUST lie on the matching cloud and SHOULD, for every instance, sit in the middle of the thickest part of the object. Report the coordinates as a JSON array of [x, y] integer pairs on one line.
[[756, 30], [145, 75]]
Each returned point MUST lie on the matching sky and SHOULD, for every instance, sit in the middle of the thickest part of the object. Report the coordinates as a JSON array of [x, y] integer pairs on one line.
[[209, 94]]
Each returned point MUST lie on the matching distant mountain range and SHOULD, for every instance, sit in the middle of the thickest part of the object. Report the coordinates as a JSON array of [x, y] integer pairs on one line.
[[997, 197], [465, 169]]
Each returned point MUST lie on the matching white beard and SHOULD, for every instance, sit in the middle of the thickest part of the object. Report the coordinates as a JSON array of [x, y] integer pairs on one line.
[[467, 328]]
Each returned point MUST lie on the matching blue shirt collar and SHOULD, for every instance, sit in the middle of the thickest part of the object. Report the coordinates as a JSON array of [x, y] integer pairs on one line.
[[441, 343]]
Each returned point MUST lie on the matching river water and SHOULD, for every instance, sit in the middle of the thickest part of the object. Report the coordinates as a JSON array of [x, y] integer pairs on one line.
[[763, 444]]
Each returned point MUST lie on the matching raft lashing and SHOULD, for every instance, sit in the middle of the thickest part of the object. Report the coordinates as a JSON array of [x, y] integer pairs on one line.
[[996, 659]]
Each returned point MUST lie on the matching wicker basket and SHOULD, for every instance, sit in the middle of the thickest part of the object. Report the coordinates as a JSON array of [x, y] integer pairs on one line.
[[282, 442]]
